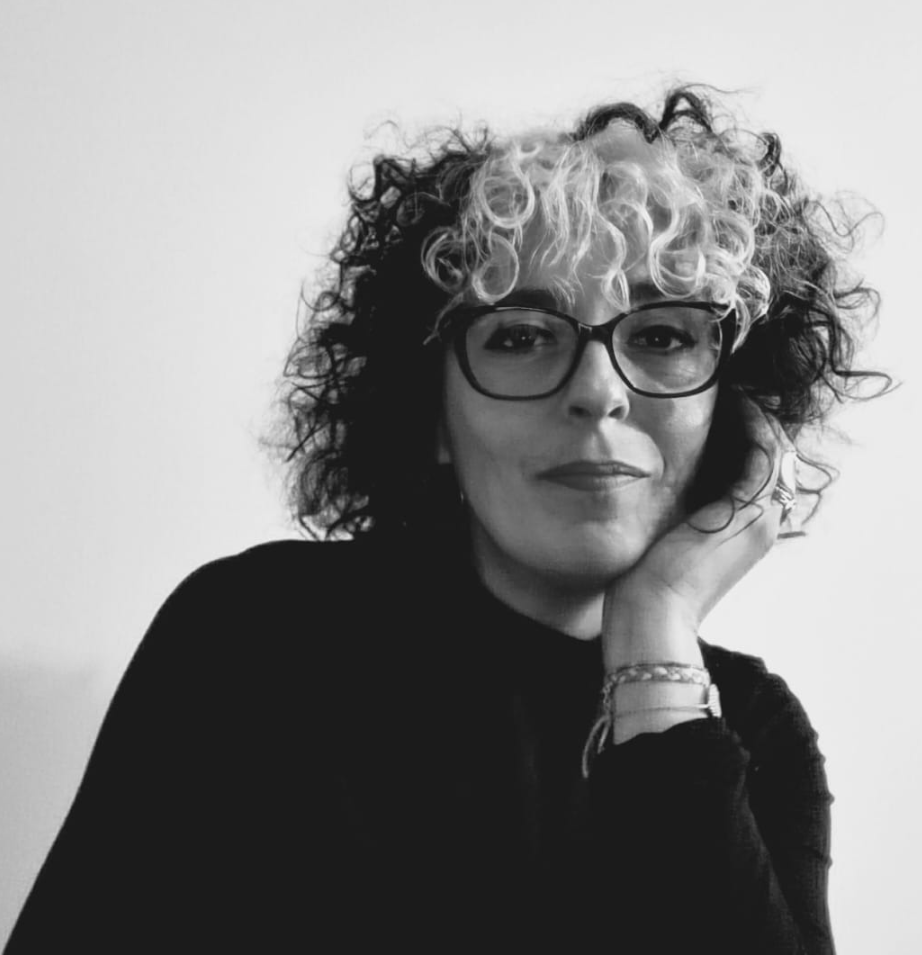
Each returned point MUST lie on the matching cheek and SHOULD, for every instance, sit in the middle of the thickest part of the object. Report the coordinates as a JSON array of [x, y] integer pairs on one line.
[[681, 430], [476, 436]]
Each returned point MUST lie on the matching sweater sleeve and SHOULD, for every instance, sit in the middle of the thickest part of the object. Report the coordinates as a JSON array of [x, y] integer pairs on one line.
[[727, 841]]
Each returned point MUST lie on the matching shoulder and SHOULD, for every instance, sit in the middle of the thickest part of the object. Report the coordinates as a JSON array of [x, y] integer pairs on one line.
[[255, 631], [290, 572], [759, 705], [288, 594], [262, 565], [233, 588]]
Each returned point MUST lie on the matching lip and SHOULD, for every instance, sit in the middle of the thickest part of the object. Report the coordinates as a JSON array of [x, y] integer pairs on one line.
[[586, 475]]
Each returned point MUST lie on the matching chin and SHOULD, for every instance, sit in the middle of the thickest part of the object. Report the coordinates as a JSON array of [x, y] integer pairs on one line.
[[589, 561], [571, 555], [599, 570]]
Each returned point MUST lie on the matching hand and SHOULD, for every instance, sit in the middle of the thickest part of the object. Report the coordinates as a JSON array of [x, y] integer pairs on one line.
[[653, 612]]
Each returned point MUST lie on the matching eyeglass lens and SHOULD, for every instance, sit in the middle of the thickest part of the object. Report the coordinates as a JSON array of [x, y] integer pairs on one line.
[[667, 349]]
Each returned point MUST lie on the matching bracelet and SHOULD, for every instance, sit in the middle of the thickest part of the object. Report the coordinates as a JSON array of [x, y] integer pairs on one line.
[[659, 673], [652, 673], [603, 728]]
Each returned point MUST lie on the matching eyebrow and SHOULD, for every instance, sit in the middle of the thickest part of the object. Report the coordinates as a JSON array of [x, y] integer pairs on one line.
[[642, 292]]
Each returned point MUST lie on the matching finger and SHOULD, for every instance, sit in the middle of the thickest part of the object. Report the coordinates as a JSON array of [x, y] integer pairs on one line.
[[785, 492]]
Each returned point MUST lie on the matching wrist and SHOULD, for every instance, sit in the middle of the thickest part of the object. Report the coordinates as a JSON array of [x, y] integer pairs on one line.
[[648, 629], [649, 637]]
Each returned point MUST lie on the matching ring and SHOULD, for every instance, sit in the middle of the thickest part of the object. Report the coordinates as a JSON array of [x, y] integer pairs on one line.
[[785, 484]]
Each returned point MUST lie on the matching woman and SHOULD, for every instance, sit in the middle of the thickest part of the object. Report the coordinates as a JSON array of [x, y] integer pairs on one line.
[[551, 391]]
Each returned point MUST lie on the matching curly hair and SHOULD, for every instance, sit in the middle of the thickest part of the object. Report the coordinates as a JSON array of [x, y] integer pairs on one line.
[[720, 215]]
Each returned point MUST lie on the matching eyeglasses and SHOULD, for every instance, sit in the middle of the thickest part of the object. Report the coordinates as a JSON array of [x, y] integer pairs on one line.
[[661, 350]]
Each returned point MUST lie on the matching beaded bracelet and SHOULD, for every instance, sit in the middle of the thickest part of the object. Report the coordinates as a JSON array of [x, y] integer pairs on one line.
[[659, 673]]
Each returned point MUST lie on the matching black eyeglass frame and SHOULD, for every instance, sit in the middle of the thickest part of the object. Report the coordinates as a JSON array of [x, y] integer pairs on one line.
[[461, 319]]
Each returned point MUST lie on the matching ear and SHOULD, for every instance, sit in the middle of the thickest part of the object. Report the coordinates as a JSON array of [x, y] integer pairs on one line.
[[442, 450]]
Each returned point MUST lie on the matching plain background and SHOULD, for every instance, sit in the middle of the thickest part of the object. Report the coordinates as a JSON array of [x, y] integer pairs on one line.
[[172, 170]]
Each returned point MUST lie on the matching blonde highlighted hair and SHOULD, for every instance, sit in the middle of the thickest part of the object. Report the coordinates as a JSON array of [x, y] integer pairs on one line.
[[689, 217]]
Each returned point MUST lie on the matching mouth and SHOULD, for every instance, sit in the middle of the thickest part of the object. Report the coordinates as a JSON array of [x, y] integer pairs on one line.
[[594, 475]]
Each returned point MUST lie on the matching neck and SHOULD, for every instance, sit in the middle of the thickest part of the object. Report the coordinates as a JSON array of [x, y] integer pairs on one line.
[[547, 598]]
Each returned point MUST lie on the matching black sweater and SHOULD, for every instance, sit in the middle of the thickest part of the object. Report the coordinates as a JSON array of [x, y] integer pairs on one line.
[[344, 746]]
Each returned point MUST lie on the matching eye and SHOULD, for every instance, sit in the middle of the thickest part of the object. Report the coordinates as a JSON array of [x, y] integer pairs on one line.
[[663, 338], [522, 337]]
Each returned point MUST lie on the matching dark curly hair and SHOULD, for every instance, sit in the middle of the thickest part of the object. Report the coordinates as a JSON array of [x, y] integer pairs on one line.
[[444, 223]]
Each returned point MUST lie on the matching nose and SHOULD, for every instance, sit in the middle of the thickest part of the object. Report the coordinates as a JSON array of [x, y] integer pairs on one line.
[[596, 390]]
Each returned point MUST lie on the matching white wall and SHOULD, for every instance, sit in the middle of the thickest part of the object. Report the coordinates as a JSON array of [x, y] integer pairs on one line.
[[172, 169]]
